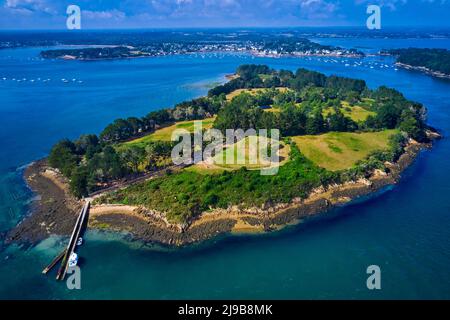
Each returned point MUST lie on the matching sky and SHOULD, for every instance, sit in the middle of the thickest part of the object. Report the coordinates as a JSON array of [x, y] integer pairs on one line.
[[107, 14]]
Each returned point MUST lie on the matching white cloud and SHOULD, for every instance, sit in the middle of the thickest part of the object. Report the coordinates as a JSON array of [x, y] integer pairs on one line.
[[110, 14], [29, 6], [391, 4]]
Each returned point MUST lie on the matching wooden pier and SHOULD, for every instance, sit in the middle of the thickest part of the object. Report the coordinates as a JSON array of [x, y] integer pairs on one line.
[[72, 242], [54, 262], [65, 255]]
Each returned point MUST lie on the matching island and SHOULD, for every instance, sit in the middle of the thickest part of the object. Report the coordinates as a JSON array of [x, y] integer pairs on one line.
[[94, 53], [339, 140], [435, 62]]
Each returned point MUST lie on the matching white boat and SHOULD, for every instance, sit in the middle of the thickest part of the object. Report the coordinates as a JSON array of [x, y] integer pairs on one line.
[[73, 260], [79, 241]]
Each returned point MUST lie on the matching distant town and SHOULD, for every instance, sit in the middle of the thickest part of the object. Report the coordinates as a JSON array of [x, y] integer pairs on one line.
[[96, 45], [300, 47]]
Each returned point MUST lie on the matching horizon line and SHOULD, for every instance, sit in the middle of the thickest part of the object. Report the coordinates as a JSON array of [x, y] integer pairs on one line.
[[228, 27]]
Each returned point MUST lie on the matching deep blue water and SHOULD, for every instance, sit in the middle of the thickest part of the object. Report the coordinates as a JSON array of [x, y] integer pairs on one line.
[[405, 229]]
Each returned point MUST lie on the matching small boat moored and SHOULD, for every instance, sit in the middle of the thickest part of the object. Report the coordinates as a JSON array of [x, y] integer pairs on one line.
[[73, 260]]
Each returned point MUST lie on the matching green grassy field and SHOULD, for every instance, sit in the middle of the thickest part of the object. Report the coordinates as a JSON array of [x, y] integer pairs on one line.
[[237, 92], [356, 113], [165, 134], [342, 150], [228, 158], [242, 154], [273, 110]]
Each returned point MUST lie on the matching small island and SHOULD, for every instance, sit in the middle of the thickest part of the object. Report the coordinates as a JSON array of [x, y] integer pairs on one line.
[[435, 62], [94, 53], [339, 140]]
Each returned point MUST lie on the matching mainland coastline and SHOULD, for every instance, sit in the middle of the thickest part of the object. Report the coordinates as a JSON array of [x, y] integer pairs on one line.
[[425, 70], [433, 62]]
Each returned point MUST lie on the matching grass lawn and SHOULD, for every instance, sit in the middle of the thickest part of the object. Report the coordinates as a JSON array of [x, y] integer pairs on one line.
[[248, 157], [165, 134], [273, 110], [356, 113], [342, 150], [237, 92]]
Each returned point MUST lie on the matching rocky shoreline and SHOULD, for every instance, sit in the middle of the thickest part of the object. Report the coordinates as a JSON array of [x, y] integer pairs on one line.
[[55, 212]]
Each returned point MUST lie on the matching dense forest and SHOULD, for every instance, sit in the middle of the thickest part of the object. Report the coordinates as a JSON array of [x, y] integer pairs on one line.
[[311, 103], [433, 59]]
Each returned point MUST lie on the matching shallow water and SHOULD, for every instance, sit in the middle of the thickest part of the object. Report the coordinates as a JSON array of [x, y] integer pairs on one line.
[[404, 230]]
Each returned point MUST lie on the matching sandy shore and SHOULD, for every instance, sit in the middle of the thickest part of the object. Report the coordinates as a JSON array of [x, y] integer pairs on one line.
[[55, 213]]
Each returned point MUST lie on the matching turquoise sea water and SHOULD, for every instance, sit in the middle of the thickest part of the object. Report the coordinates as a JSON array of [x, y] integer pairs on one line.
[[404, 229]]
